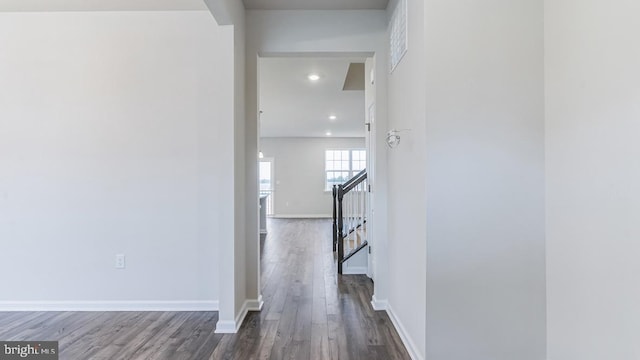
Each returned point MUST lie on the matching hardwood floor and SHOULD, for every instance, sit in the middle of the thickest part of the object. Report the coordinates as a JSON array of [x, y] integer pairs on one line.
[[117, 335], [309, 313]]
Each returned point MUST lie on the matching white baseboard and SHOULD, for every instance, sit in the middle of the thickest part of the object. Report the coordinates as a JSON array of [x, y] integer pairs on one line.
[[255, 305], [302, 216], [232, 327], [109, 305], [406, 340], [227, 327], [378, 305], [354, 270]]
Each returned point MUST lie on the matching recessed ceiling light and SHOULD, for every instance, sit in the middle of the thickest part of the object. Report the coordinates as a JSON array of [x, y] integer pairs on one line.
[[313, 77], [332, 117], [328, 133]]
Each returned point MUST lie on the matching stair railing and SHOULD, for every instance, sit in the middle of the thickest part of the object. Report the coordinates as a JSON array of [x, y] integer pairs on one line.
[[350, 217]]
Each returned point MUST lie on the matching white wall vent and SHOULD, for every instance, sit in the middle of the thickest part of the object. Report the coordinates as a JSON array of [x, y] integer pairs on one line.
[[398, 34]]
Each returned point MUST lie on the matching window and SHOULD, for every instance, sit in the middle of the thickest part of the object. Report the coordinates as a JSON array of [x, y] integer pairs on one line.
[[341, 165]]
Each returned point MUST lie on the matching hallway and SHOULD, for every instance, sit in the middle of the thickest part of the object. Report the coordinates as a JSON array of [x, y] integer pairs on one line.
[[309, 312]]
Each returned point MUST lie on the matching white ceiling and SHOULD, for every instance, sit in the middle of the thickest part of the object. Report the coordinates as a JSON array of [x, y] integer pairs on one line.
[[316, 4], [294, 106], [100, 5], [134, 5]]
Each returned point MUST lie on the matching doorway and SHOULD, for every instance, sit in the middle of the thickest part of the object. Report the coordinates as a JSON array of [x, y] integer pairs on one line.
[[310, 109]]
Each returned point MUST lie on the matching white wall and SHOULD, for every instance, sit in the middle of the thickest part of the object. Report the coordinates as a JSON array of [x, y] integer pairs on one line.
[[109, 144], [300, 172], [484, 180], [406, 191], [593, 198]]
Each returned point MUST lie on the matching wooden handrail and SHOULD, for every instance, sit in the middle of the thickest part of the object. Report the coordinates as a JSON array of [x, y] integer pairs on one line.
[[355, 178], [352, 183]]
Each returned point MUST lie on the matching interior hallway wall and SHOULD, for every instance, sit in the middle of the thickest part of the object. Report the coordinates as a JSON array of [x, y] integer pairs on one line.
[[593, 198], [108, 140], [484, 179], [238, 253], [407, 249]]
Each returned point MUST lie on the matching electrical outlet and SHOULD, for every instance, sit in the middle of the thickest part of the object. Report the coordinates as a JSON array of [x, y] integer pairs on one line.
[[120, 261]]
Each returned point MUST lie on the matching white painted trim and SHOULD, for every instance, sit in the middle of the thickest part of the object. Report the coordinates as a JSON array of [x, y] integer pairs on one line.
[[211, 305], [255, 305], [404, 336], [226, 327], [232, 327], [355, 270], [379, 305], [302, 216]]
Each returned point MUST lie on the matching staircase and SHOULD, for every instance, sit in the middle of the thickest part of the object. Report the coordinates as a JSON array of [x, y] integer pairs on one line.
[[350, 202]]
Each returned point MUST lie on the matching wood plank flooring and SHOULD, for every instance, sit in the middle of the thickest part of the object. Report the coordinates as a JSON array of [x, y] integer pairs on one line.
[[310, 313]]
